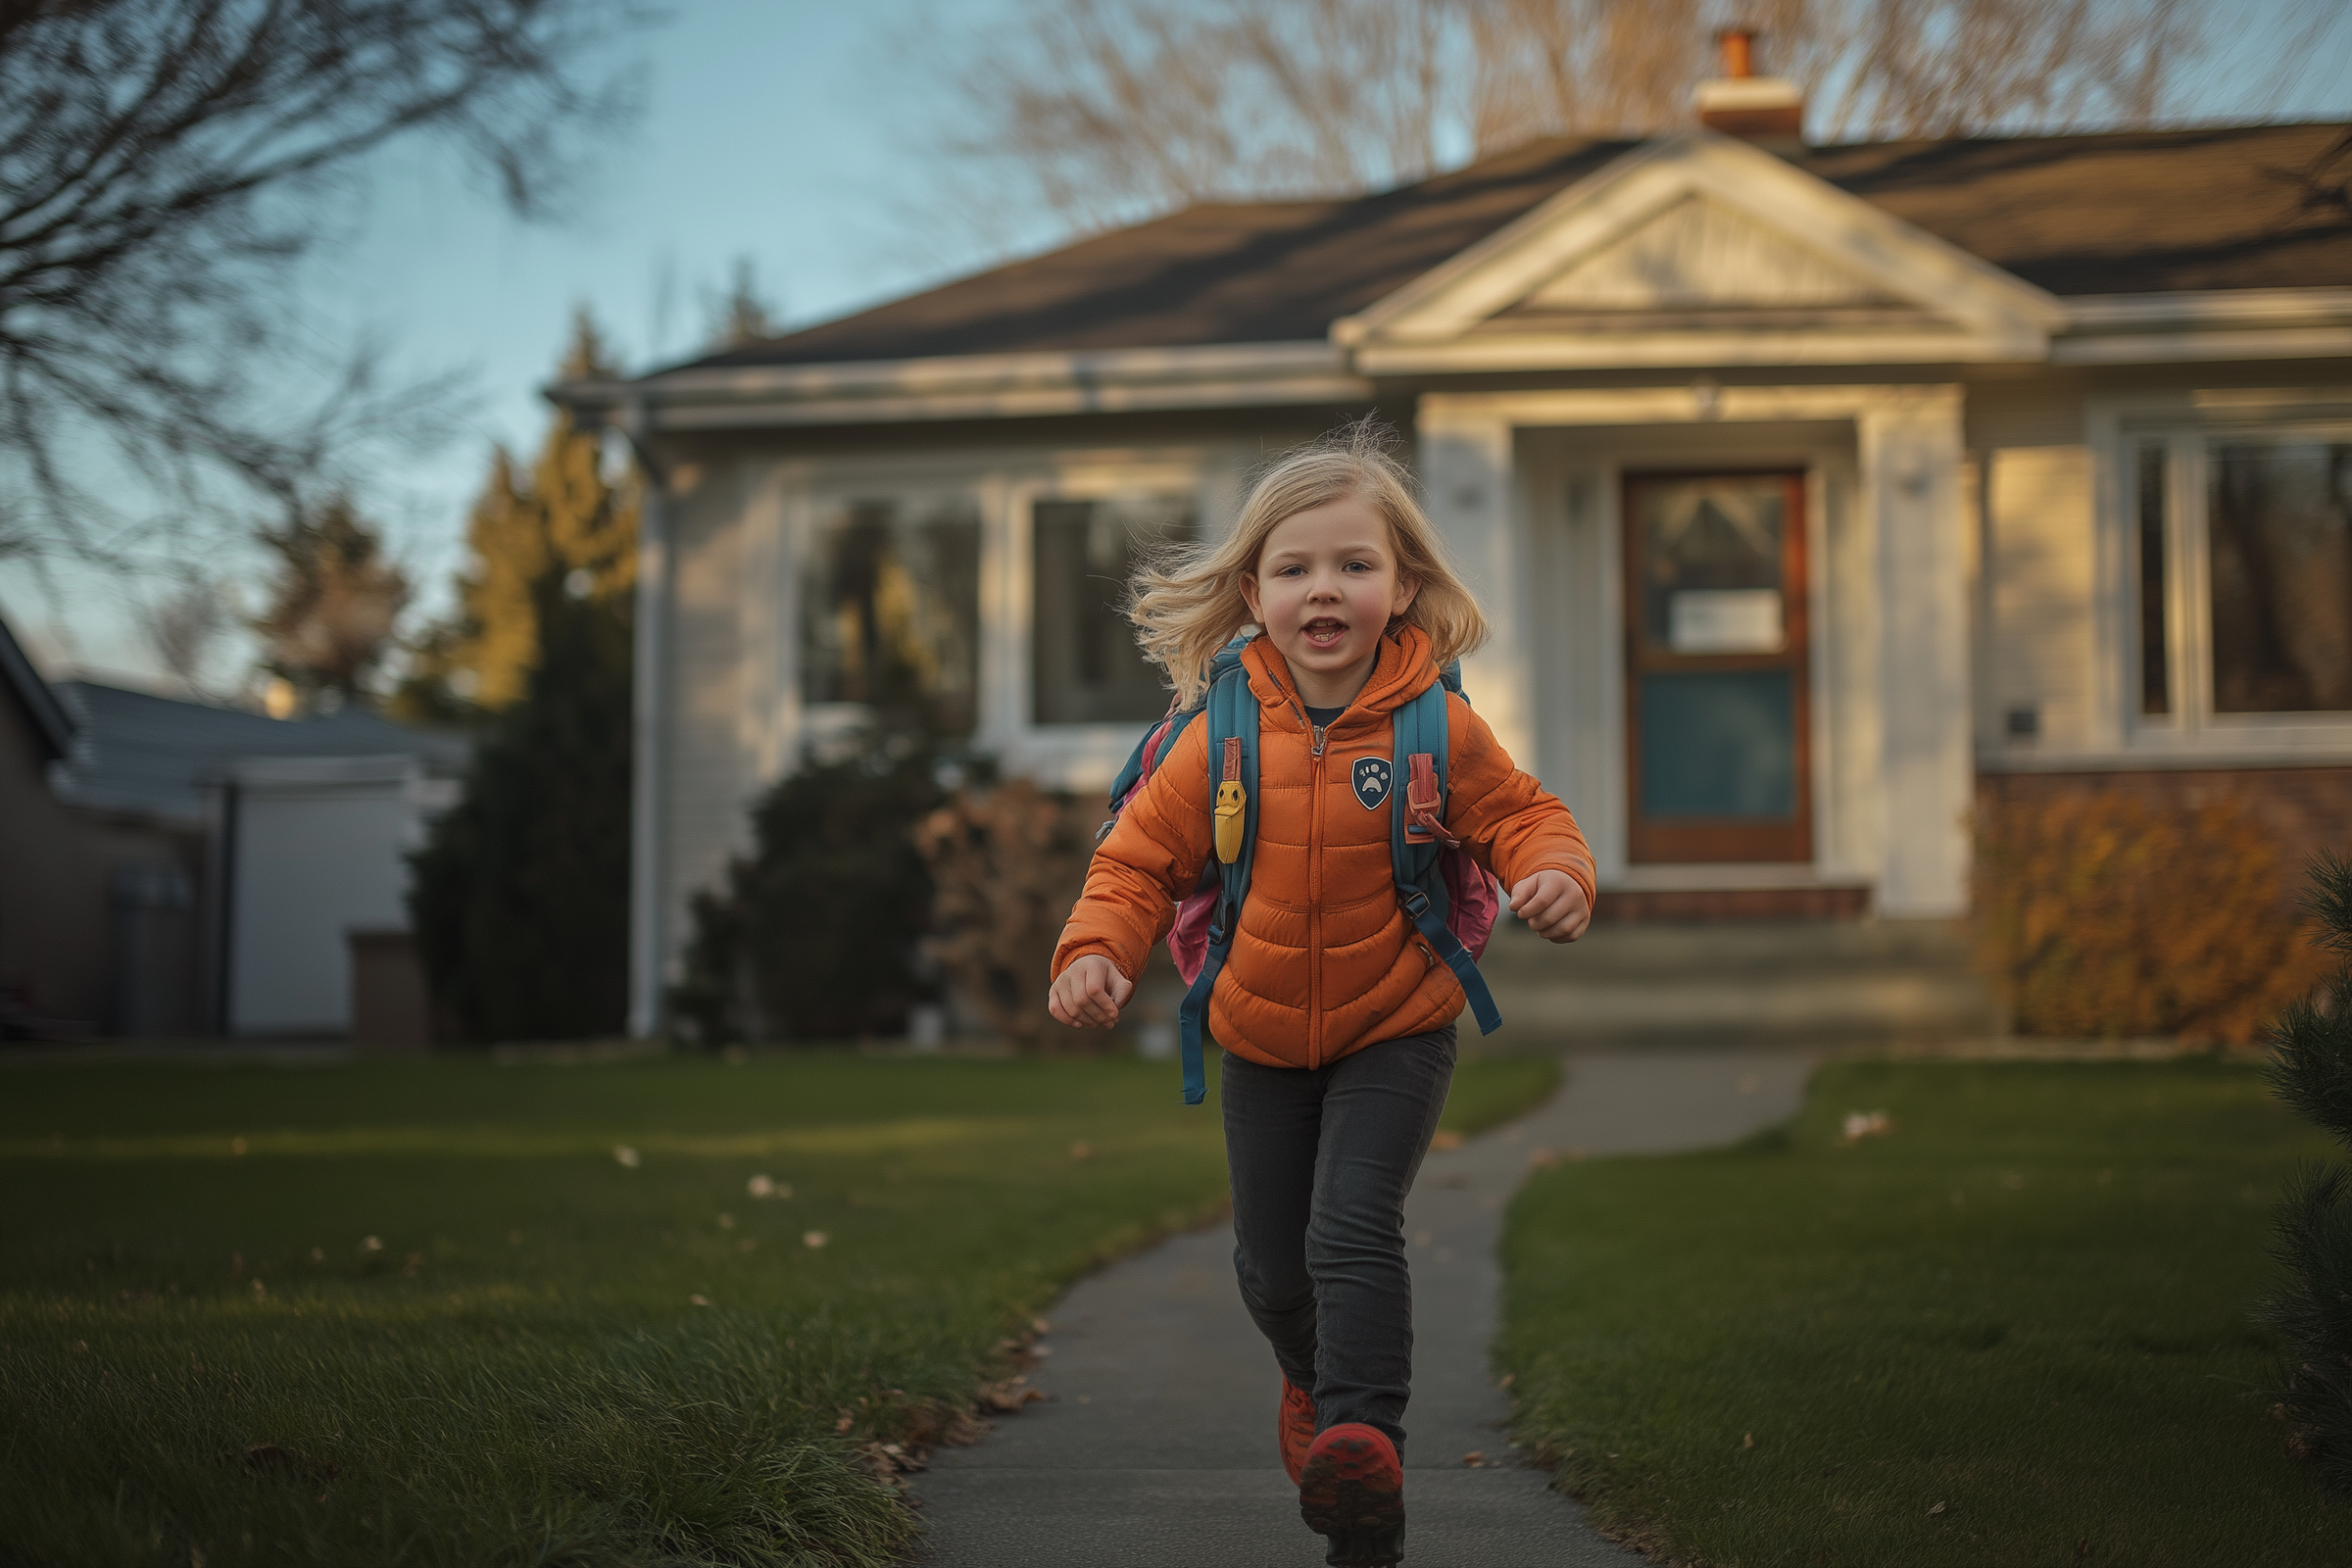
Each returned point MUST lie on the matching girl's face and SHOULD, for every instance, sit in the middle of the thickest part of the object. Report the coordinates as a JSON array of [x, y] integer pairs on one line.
[[1326, 585]]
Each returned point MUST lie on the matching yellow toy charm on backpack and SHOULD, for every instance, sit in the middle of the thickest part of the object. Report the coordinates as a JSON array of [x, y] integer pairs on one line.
[[1231, 803]]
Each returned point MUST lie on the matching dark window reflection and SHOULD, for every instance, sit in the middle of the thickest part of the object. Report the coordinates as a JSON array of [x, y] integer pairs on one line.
[[2155, 677], [891, 610], [2279, 531], [1086, 668]]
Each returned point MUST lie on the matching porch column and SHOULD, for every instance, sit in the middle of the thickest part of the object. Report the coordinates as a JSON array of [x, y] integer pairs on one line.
[[1911, 446], [1470, 490]]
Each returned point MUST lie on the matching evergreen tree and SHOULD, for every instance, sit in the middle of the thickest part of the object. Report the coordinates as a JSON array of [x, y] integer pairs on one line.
[[332, 604], [2312, 1071], [816, 934], [740, 314], [565, 518], [519, 899]]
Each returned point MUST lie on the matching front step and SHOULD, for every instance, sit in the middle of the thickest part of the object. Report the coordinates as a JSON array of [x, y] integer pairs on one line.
[[1782, 984]]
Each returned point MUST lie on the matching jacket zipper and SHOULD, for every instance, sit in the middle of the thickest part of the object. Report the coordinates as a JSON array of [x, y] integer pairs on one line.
[[1316, 739]]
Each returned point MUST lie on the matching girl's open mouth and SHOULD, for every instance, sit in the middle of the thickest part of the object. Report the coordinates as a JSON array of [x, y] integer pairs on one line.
[[1323, 631]]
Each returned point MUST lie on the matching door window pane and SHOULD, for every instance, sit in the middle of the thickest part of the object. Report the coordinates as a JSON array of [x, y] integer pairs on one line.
[[1086, 666], [1719, 744], [2279, 527], [891, 610], [1711, 554]]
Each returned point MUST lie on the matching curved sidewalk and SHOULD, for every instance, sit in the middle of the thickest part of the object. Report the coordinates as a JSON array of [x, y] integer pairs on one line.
[[1155, 1445]]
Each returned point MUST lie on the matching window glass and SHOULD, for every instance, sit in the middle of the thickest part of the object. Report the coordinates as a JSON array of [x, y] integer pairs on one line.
[[891, 610], [1711, 565], [1719, 744], [1086, 667], [2278, 528], [2155, 677]]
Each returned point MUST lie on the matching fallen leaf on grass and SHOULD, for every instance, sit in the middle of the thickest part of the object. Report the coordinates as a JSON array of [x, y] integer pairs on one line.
[[371, 1244], [1747, 1439], [625, 1155], [1082, 1150], [1939, 1509], [812, 1239], [698, 1299], [1861, 1124]]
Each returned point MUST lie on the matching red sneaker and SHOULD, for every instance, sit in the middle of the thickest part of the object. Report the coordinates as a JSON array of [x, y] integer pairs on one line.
[[1352, 1493], [1295, 1429]]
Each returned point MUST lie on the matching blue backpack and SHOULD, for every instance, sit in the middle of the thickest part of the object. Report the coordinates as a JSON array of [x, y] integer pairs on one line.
[[1451, 899]]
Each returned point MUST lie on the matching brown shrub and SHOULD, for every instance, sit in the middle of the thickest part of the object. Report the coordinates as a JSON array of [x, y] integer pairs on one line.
[[2098, 915], [1008, 862]]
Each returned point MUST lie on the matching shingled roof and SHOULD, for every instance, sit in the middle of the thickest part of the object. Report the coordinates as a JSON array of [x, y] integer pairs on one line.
[[2124, 213]]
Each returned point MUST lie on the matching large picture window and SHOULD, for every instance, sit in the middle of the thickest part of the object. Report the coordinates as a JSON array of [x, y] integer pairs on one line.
[[891, 610], [2244, 547], [1086, 668]]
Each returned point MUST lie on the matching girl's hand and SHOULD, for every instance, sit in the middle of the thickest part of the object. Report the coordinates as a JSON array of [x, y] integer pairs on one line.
[[1090, 992], [1552, 903]]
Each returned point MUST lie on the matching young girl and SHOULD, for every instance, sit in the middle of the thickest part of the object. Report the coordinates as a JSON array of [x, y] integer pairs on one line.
[[1335, 1019]]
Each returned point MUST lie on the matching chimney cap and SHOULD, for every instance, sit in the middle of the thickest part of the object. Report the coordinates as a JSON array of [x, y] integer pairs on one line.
[[1767, 111]]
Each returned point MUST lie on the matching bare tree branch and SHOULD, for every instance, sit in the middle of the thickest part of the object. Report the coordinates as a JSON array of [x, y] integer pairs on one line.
[[1101, 111], [164, 165]]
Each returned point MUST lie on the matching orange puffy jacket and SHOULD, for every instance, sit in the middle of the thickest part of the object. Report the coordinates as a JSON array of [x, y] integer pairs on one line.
[[1325, 960]]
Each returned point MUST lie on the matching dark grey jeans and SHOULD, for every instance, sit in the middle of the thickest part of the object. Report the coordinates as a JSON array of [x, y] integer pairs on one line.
[[1321, 1159]]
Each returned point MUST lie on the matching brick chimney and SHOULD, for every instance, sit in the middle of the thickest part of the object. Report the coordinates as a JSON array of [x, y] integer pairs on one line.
[[1764, 110]]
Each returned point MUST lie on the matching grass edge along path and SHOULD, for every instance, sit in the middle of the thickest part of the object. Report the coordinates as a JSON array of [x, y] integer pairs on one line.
[[2008, 1324], [670, 1311]]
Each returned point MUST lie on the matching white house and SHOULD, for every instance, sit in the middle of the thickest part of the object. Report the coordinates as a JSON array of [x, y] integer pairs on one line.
[[1811, 492]]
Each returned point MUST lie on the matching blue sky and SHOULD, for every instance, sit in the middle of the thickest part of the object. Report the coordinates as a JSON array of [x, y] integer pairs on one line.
[[779, 129]]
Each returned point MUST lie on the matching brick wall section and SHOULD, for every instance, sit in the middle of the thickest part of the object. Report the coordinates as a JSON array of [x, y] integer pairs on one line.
[[2305, 809]]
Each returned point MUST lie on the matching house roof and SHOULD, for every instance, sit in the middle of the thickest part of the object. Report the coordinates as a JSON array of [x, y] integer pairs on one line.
[[48, 717], [157, 754], [2122, 213]]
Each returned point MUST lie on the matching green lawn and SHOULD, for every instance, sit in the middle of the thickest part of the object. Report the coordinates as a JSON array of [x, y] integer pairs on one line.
[[424, 1313], [2012, 1331]]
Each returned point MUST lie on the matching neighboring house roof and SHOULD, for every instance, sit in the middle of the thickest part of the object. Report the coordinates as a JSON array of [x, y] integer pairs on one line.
[[48, 717], [2123, 213], [157, 754]]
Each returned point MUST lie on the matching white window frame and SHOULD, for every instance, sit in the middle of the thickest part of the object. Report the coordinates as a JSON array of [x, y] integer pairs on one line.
[[2189, 423], [1076, 755]]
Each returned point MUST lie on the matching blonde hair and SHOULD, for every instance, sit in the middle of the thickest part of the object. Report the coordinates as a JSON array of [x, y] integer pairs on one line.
[[1186, 604]]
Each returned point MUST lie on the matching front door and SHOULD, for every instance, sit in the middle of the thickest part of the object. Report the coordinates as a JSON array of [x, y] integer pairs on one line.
[[1715, 665]]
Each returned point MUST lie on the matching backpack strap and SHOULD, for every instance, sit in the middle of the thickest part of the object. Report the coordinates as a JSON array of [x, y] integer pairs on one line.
[[1232, 770], [1417, 837]]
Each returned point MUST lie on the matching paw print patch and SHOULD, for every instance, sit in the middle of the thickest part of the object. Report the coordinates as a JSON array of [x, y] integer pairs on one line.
[[1370, 776]]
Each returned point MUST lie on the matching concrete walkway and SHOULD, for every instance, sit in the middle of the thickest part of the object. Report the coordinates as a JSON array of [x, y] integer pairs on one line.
[[1156, 1442]]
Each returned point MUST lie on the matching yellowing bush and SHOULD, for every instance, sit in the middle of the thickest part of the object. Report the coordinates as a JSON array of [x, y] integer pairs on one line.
[[2098, 915]]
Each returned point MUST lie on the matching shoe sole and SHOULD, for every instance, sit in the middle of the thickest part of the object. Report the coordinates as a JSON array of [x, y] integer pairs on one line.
[[1352, 1494]]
